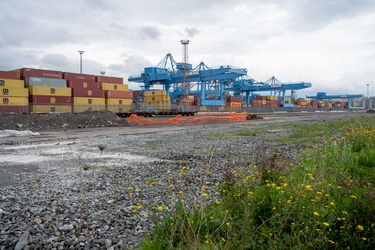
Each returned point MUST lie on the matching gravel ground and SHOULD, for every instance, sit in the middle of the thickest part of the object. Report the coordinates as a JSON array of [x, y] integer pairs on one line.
[[42, 122], [102, 190]]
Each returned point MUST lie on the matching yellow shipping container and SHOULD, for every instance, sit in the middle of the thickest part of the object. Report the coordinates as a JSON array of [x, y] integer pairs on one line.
[[271, 97], [116, 101], [50, 91], [14, 92], [155, 93], [77, 108], [119, 108], [111, 86], [264, 102], [14, 101], [88, 100], [11, 83], [157, 98], [50, 108]]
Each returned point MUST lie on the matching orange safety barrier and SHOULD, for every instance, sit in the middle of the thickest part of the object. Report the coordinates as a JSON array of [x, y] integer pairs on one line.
[[205, 117]]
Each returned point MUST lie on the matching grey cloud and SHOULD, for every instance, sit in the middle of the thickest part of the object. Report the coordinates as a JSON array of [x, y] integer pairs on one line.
[[55, 60], [191, 31], [150, 32], [309, 15]]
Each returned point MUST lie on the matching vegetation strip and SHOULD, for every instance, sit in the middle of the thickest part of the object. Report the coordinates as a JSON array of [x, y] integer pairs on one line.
[[324, 200]]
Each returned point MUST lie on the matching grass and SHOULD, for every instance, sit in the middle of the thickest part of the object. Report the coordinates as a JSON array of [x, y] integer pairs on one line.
[[324, 201], [245, 132]]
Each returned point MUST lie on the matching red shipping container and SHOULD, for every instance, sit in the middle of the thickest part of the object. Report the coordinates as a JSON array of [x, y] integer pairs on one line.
[[83, 84], [138, 93], [76, 92], [10, 75], [118, 94], [14, 109], [38, 99], [76, 76], [25, 72], [109, 79], [234, 99]]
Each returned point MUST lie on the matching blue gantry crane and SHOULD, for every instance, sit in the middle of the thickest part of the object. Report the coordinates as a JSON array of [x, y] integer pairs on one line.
[[203, 81], [323, 96], [248, 86], [206, 80]]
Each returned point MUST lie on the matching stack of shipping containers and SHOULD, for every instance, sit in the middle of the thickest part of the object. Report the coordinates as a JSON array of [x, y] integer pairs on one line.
[[86, 92], [266, 101], [233, 101], [13, 94], [48, 92], [157, 99], [118, 98]]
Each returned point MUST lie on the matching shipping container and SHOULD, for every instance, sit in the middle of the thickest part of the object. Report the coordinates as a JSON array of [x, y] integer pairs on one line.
[[83, 84], [234, 99], [26, 72], [11, 83], [109, 79], [76, 76], [50, 91], [42, 81], [76, 92], [138, 93], [112, 86], [119, 108], [10, 75], [14, 101], [50, 99], [155, 93], [14, 109], [158, 98], [117, 101], [50, 108], [118, 94], [14, 92], [234, 104], [88, 100], [78, 108]]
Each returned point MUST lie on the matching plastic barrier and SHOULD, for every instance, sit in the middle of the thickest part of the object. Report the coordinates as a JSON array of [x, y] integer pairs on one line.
[[202, 118]]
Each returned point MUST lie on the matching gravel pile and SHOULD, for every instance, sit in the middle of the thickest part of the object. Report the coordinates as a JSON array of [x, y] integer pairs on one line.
[[43, 122]]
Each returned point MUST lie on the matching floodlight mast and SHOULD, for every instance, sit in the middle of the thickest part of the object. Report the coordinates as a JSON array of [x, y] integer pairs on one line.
[[80, 61], [185, 60]]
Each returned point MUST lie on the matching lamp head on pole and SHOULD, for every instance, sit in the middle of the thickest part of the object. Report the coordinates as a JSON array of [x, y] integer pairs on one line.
[[81, 51]]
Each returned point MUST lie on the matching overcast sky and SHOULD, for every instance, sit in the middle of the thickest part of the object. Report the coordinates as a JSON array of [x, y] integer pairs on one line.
[[330, 43]]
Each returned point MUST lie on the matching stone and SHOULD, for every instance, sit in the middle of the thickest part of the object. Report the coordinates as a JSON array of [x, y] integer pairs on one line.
[[22, 241]]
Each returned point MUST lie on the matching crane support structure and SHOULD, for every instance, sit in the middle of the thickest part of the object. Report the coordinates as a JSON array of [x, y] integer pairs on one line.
[[181, 80], [323, 96]]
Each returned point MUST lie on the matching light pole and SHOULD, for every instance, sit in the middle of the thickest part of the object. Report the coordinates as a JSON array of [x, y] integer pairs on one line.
[[80, 64]]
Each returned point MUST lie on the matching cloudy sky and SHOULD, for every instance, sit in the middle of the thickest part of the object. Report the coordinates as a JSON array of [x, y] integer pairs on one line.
[[330, 43]]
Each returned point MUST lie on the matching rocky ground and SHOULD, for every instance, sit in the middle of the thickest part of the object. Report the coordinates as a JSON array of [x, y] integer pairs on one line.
[[103, 190], [43, 122]]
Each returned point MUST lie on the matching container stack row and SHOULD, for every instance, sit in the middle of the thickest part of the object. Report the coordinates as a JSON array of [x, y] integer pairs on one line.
[[233, 101], [157, 98], [47, 91], [13, 94], [266, 101]]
